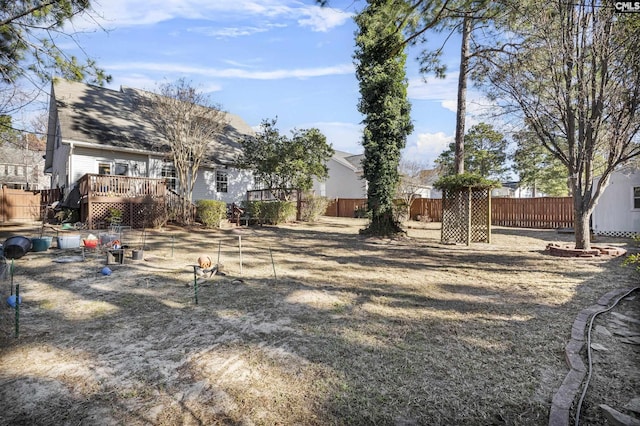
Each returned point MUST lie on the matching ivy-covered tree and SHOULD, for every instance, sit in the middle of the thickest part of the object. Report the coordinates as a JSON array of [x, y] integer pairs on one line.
[[485, 153], [283, 163], [537, 167], [380, 69]]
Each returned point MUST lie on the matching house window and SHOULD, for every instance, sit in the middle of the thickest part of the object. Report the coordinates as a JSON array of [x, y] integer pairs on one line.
[[636, 197], [122, 169], [104, 168], [222, 181], [169, 173]]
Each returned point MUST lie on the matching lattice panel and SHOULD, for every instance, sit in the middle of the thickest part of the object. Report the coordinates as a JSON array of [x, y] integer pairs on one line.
[[455, 217], [480, 216], [100, 213], [465, 216], [148, 214]]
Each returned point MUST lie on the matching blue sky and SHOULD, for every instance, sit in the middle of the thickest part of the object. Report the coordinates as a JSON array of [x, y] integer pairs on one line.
[[261, 59]]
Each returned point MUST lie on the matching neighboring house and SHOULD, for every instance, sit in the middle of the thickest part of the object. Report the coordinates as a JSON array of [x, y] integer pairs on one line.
[[618, 210], [428, 177], [22, 168], [22, 162], [95, 130], [507, 190], [345, 177], [515, 190]]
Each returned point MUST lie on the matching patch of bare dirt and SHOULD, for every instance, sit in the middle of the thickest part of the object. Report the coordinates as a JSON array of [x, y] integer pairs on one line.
[[312, 324]]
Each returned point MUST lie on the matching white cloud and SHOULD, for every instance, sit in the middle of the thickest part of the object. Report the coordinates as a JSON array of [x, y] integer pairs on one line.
[[231, 32], [322, 19], [228, 32], [451, 105], [232, 72], [427, 147], [444, 90], [126, 13]]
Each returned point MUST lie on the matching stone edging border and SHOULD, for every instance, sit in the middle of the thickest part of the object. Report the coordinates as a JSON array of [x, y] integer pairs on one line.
[[566, 394]]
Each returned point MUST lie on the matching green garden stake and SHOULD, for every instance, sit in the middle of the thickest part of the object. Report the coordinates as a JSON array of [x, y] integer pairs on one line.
[[195, 284], [17, 310]]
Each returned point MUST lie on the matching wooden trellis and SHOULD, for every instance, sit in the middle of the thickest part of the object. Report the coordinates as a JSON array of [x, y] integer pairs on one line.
[[466, 215]]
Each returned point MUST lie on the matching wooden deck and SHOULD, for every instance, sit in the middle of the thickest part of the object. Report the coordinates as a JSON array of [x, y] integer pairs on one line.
[[108, 186], [144, 202]]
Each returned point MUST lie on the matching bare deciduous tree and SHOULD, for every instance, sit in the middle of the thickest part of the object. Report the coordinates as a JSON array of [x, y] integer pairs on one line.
[[188, 122], [411, 182], [575, 78]]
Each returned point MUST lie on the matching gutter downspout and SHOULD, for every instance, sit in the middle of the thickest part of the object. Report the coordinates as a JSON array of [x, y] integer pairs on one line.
[[70, 175]]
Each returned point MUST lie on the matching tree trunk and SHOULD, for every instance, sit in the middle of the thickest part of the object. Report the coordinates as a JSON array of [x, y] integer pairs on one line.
[[581, 224], [382, 223], [461, 110]]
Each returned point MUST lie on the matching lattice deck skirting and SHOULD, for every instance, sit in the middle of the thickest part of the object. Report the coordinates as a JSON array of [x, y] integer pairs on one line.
[[621, 234], [136, 213]]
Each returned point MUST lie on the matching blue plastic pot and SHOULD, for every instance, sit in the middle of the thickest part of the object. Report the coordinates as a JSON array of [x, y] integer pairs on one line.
[[41, 243]]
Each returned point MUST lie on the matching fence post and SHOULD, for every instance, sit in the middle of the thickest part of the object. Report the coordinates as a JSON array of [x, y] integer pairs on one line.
[[489, 217]]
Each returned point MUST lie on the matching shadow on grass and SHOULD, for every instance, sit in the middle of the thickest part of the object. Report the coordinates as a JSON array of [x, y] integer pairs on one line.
[[350, 349]]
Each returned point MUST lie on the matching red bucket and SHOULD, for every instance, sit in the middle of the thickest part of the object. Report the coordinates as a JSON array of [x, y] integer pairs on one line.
[[90, 243]]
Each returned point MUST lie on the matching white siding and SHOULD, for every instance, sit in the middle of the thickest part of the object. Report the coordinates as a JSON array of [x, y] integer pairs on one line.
[[614, 214], [343, 182], [239, 182], [86, 160]]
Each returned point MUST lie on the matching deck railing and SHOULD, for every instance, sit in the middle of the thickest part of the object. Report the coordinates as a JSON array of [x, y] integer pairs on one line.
[[121, 186]]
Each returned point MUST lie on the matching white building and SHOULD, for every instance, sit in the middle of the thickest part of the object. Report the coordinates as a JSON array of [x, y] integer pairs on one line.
[[618, 210]]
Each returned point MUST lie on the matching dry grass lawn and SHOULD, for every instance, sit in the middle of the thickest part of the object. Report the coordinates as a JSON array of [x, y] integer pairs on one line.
[[350, 331]]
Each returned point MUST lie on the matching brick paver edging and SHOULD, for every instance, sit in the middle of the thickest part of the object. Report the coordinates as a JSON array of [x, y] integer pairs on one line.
[[566, 394]]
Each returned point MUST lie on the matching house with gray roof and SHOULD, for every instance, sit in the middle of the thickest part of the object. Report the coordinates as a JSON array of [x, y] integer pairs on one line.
[[345, 177], [99, 131]]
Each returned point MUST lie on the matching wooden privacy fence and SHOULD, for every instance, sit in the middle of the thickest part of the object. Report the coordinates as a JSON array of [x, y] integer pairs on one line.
[[18, 205], [546, 212], [427, 209], [347, 207]]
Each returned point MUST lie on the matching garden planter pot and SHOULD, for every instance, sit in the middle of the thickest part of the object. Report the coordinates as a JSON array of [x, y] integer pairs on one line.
[[69, 241], [41, 243], [16, 247], [137, 254]]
